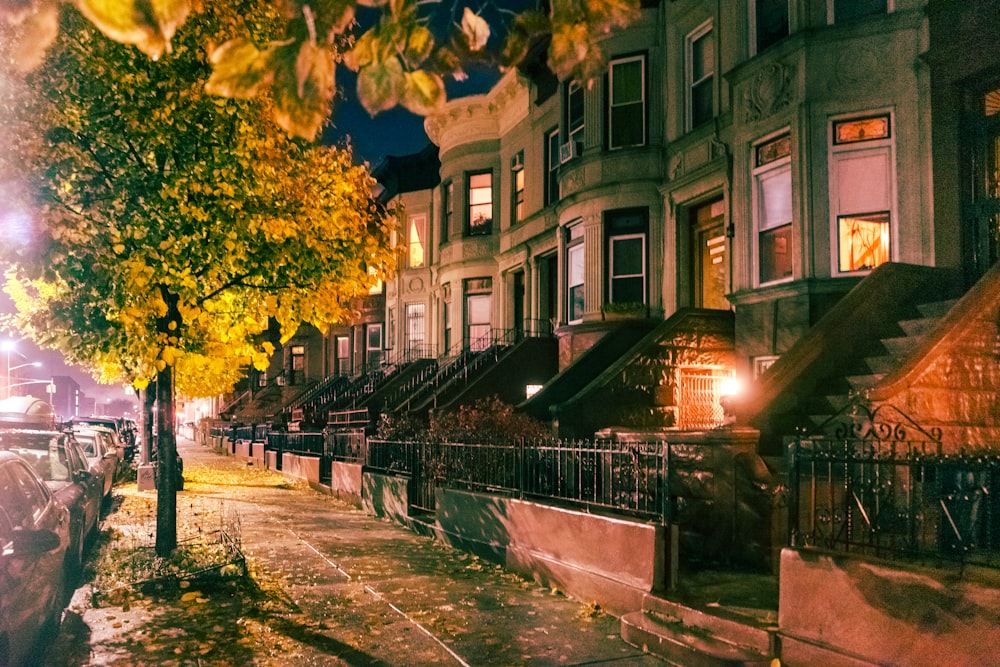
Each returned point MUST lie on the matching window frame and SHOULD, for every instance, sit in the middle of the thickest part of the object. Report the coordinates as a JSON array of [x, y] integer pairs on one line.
[[575, 245], [552, 143], [447, 207], [485, 228], [416, 330], [840, 152], [762, 171], [517, 187], [642, 101], [574, 126], [704, 31], [418, 243]]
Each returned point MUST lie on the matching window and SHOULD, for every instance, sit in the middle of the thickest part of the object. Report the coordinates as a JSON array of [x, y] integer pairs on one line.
[[701, 76], [574, 273], [552, 167], [480, 202], [517, 188], [415, 330], [478, 304], [446, 317], [574, 112], [297, 365], [417, 240], [626, 232], [373, 345], [862, 190], [848, 10], [627, 102], [447, 208], [343, 355], [770, 20], [773, 208]]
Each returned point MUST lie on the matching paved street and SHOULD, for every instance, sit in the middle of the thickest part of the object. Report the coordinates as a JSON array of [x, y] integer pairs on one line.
[[369, 592]]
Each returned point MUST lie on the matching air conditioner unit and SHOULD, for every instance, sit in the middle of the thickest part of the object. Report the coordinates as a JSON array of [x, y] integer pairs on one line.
[[517, 162], [280, 380], [570, 150]]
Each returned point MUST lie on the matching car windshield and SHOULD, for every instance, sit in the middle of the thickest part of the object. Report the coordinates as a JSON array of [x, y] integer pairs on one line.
[[51, 464], [88, 442]]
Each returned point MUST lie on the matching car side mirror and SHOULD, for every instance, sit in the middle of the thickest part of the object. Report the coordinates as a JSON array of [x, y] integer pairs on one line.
[[33, 542]]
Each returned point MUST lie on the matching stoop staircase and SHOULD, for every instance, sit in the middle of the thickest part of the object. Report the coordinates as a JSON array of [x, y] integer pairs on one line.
[[894, 351], [689, 637]]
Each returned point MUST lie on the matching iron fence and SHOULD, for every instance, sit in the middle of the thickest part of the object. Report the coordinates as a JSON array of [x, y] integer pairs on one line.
[[620, 477], [884, 496]]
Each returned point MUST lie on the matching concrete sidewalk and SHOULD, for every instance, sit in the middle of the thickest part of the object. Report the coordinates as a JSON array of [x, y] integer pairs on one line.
[[369, 592]]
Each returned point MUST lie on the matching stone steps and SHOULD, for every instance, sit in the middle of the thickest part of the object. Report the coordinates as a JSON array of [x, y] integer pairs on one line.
[[897, 348], [695, 638]]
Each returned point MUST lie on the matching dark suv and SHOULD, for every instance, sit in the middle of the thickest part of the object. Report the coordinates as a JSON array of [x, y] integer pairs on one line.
[[34, 537]]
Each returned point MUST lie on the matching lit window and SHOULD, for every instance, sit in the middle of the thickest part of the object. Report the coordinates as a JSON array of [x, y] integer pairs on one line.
[[478, 307], [864, 241], [517, 188], [627, 102], [480, 203], [343, 355], [297, 364], [862, 190], [574, 274], [701, 76], [417, 233], [773, 209]]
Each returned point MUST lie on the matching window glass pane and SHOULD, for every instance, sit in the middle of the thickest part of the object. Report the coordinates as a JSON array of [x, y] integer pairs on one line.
[[864, 241], [415, 327], [627, 256], [702, 107], [574, 281], [417, 236], [574, 112], [776, 197], [628, 126], [702, 57], [480, 203], [775, 253], [772, 22], [845, 10], [626, 82]]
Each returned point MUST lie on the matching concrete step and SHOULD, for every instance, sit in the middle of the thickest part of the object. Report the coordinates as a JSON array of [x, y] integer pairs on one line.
[[860, 382], [687, 646], [936, 309], [883, 364], [693, 637], [901, 347], [918, 327]]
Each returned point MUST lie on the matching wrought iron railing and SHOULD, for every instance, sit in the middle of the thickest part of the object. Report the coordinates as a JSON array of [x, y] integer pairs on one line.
[[888, 490], [615, 476]]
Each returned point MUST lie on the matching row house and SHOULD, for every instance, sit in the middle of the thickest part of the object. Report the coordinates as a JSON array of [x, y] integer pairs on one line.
[[694, 215]]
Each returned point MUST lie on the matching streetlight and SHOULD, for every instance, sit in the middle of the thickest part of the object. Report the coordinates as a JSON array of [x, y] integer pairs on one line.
[[9, 346]]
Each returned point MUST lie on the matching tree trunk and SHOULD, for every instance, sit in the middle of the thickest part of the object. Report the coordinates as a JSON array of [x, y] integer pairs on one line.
[[167, 482]]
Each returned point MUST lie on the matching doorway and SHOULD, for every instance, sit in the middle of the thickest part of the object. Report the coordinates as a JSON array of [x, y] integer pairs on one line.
[[709, 252], [981, 209]]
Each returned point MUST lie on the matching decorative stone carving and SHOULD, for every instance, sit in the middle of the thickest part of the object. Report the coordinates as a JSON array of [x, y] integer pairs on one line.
[[856, 66], [416, 284], [769, 91], [676, 169]]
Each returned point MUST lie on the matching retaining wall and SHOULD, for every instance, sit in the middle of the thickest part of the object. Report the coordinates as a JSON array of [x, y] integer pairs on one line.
[[605, 560], [838, 610]]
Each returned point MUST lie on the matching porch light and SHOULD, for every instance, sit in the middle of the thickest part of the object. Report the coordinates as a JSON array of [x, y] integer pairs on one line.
[[532, 389], [729, 389]]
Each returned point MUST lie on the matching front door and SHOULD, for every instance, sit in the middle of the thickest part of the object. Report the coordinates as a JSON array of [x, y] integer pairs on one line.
[[708, 255], [981, 217]]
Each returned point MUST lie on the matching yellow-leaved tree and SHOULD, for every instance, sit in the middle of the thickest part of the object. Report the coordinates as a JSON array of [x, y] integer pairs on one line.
[[163, 228]]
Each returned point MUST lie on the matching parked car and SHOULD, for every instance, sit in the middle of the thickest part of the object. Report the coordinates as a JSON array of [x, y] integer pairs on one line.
[[102, 454], [34, 538], [57, 458], [124, 435]]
